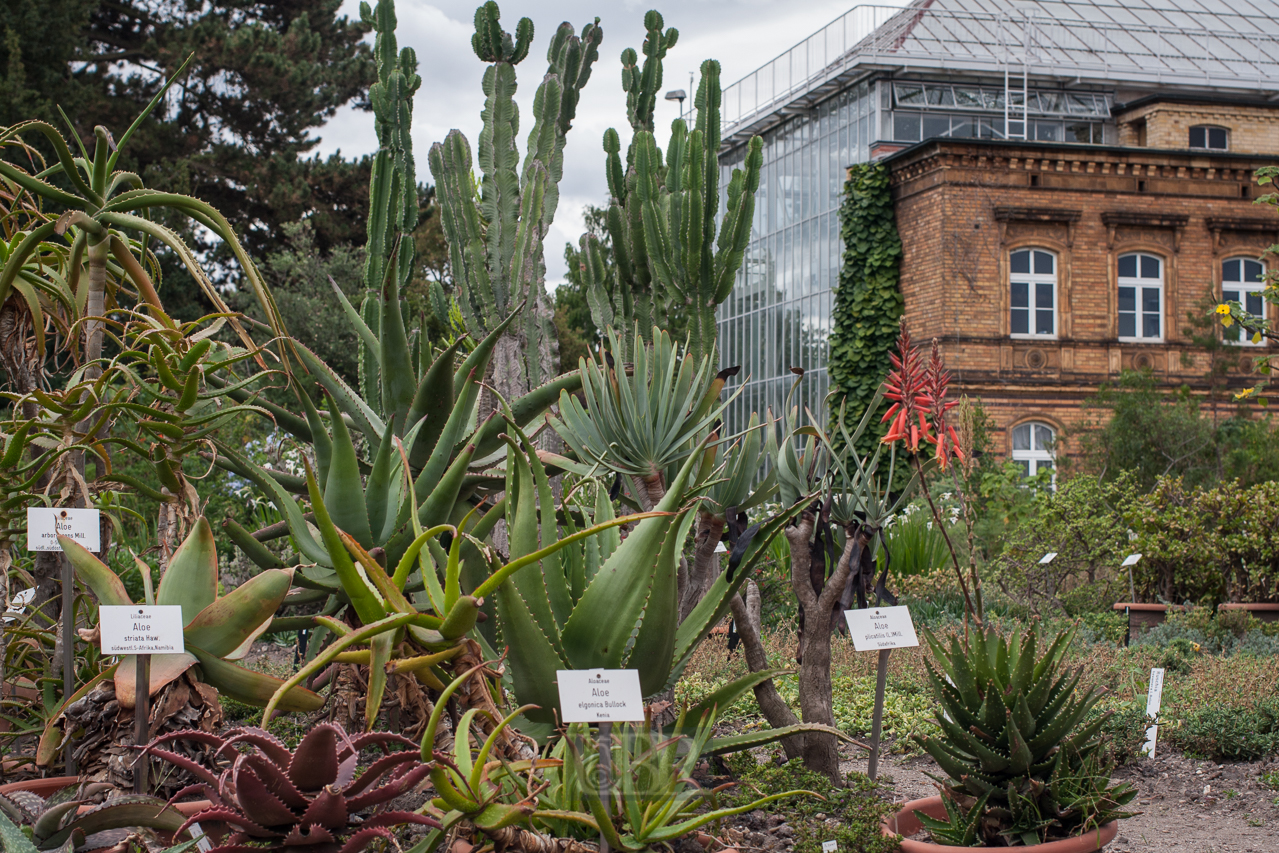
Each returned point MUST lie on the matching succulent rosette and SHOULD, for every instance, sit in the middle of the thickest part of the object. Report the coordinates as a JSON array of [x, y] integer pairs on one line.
[[307, 800]]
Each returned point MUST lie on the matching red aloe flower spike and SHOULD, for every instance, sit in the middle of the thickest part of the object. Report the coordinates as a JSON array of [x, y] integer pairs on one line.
[[905, 387]]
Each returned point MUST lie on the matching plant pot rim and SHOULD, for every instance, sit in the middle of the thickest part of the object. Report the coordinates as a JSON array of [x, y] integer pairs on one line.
[[49, 785], [1247, 605], [1090, 842]]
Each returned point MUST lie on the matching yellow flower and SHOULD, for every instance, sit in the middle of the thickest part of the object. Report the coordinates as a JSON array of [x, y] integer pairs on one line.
[[1247, 392], [1223, 308]]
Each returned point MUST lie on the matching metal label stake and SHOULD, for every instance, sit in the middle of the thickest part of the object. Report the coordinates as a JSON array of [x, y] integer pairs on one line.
[[141, 724], [605, 773], [877, 719], [141, 630]]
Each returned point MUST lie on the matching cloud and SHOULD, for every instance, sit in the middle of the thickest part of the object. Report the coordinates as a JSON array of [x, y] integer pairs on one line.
[[741, 34]]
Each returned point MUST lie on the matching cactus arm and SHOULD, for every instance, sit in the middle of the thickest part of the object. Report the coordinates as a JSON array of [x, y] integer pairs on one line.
[[738, 217], [450, 163], [500, 184]]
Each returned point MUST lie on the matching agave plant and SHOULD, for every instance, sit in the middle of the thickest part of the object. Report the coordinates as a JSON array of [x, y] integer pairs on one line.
[[313, 798], [1023, 766], [31, 822], [219, 629]]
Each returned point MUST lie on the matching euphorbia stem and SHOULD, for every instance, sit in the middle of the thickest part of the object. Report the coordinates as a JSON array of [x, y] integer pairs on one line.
[[969, 611]]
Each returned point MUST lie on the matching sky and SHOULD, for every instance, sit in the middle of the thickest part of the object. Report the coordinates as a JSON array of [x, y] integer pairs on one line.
[[741, 34]]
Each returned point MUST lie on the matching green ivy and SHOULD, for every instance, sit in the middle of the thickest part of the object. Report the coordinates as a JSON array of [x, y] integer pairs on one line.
[[868, 302]]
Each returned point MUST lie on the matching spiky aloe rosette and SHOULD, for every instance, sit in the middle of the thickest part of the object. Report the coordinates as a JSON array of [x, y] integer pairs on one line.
[[306, 800], [1024, 768]]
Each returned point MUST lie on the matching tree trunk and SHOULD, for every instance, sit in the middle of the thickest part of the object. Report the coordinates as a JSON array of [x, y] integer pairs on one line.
[[770, 702], [821, 753], [706, 564]]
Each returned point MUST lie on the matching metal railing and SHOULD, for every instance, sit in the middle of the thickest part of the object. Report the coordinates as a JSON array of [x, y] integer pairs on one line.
[[925, 38]]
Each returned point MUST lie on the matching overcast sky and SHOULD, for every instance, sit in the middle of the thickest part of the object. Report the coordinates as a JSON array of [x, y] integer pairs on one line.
[[741, 34]]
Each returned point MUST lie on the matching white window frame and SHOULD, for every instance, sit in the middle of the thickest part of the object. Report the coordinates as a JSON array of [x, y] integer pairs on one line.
[[1032, 279], [1037, 455], [1139, 284], [1244, 288]]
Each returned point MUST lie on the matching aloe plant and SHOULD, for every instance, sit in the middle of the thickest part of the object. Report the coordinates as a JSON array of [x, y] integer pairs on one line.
[[219, 629], [318, 797], [607, 602], [644, 422], [29, 822], [673, 254], [495, 239], [1023, 766]]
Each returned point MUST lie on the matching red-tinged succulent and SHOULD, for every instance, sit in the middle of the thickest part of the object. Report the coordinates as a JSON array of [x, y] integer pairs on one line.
[[308, 800]]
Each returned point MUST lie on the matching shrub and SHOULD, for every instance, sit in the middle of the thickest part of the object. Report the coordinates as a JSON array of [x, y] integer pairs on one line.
[[1083, 523], [1207, 545], [1230, 733]]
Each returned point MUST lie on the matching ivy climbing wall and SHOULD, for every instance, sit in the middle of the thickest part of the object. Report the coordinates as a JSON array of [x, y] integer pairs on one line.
[[868, 301]]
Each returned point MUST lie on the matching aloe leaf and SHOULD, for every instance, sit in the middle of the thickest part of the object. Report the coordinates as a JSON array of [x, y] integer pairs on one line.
[[95, 574], [533, 654], [721, 699], [381, 495], [252, 687], [381, 648], [365, 601], [164, 669], [231, 623], [191, 580]]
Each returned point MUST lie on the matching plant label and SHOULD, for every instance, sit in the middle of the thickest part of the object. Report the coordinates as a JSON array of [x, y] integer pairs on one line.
[[830, 846], [1131, 560], [1154, 696], [45, 523], [600, 695], [1047, 558], [141, 629], [875, 628], [202, 842]]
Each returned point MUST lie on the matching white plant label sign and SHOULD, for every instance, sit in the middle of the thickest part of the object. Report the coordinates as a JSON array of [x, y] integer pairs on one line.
[[1047, 558], [600, 695], [830, 846], [45, 524], [141, 629], [1131, 560], [875, 628], [1154, 696]]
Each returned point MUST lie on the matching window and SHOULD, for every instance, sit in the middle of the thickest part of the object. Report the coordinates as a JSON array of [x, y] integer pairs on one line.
[[1241, 282], [1033, 444], [1032, 278], [1204, 136], [1141, 298]]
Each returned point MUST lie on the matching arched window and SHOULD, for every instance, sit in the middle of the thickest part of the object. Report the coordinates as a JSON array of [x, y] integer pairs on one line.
[[1207, 136], [1032, 281], [1241, 282], [1033, 444], [1141, 298]]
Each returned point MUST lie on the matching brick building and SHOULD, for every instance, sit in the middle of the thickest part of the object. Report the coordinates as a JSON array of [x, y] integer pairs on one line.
[[1070, 179]]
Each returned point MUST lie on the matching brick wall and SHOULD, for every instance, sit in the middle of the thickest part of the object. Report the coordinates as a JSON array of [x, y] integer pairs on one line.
[[963, 205], [1251, 130]]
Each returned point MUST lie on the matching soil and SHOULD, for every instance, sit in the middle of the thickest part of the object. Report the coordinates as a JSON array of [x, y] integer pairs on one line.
[[1186, 805]]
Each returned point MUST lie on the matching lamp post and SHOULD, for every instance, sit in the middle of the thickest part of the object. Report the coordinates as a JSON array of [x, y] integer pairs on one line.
[[678, 95]]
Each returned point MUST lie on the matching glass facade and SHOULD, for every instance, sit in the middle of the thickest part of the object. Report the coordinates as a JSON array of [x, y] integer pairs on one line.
[[779, 313]]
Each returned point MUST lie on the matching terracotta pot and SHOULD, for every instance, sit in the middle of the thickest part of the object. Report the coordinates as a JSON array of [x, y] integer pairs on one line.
[[53, 784], [905, 823], [1264, 612]]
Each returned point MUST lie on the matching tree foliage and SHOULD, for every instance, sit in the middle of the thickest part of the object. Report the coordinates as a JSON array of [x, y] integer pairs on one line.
[[868, 302], [236, 132]]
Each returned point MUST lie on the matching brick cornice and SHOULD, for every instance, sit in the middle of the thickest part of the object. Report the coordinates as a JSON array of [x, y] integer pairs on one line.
[[1036, 214]]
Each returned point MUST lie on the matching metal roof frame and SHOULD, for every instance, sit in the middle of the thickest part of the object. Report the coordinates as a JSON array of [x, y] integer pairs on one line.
[[927, 36]]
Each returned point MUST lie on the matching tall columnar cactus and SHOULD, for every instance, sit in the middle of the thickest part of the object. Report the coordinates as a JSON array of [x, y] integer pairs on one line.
[[672, 262], [495, 240]]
